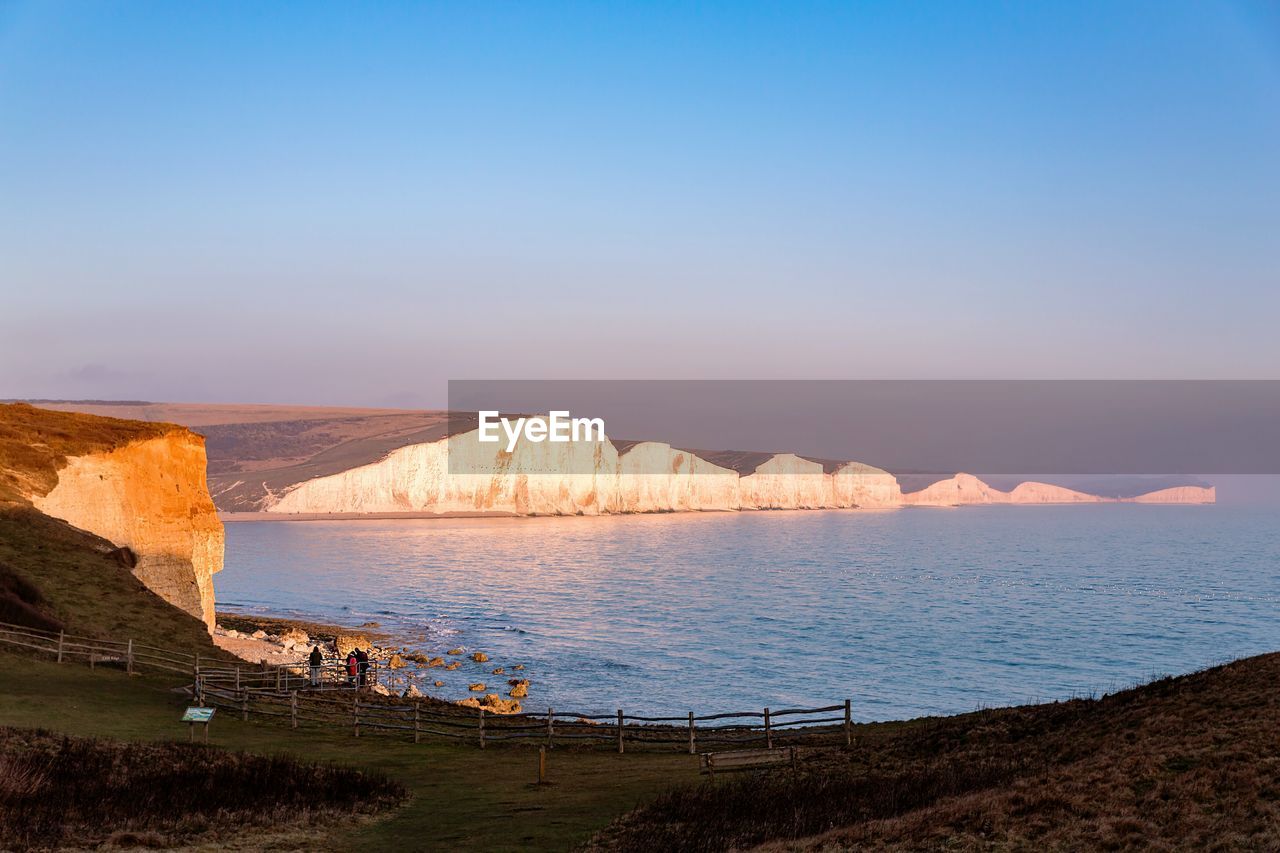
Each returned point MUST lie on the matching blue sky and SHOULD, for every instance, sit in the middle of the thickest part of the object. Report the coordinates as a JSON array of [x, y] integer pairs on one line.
[[352, 203]]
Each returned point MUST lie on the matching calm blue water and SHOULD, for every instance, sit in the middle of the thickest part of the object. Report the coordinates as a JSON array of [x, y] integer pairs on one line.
[[907, 612]]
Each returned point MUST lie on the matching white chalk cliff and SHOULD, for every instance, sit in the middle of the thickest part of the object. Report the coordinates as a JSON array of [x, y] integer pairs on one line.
[[149, 496], [581, 478]]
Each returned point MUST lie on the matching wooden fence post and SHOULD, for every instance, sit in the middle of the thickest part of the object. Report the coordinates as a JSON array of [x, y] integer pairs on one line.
[[619, 731], [355, 712], [542, 765], [237, 678], [848, 722], [415, 721], [768, 731], [279, 670], [61, 637], [693, 749], [244, 705], [551, 728], [482, 728], [293, 709], [128, 666]]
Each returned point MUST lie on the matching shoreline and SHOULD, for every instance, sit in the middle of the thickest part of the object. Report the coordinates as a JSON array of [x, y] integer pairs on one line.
[[409, 671], [262, 515]]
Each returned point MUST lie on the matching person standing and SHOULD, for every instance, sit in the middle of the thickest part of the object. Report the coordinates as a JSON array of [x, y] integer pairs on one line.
[[316, 661], [353, 667], [362, 658]]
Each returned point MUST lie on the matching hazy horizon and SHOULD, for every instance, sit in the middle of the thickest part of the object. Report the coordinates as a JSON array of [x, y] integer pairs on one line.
[[337, 205]]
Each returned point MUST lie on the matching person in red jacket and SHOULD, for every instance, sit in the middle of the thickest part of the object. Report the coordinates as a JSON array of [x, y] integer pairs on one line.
[[353, 667]]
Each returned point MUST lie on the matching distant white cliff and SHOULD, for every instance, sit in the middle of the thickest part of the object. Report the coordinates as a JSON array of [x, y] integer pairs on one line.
[[643, 477], [966, 489]]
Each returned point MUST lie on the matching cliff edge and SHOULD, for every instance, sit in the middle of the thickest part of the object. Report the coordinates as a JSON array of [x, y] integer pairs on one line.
[[140, 486]]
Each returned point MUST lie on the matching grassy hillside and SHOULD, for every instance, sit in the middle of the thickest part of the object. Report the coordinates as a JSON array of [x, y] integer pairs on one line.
[[1182, 763], [35, 443], [82, 586]]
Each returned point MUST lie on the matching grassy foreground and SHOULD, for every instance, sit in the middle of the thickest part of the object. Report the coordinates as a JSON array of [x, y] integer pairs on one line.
[[1182, 763], [63, 791], [459, 797], [1186, 763]]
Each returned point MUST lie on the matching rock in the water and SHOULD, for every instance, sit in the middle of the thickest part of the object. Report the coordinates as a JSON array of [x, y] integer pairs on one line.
[[518, 666], [380, 690], [498, 671], [476, 688], [396, 662], [436, 662], [519, 691], [419, 657], [479, 657], [495, 703], [412, 692], [439, 684], [456, 651], [454, 665]]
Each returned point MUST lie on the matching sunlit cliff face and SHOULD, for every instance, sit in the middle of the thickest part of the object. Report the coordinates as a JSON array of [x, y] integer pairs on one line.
[[150, 497]]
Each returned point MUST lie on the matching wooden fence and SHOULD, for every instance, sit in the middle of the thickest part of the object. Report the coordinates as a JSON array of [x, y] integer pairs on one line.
[[284, 693], [128, 655]]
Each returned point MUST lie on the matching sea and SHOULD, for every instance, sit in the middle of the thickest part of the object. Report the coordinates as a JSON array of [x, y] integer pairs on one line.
[[906, 613]]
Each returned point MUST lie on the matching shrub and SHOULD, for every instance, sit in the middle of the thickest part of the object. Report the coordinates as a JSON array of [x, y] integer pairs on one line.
[[66, 791]]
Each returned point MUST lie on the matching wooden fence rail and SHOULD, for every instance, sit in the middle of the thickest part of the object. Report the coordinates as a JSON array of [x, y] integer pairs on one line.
[[286, 692]]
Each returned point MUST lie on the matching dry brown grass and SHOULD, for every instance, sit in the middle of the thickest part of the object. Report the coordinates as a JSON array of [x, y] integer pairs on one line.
[[1182, 763], [35, 443], [58, 791], [22, 603]]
